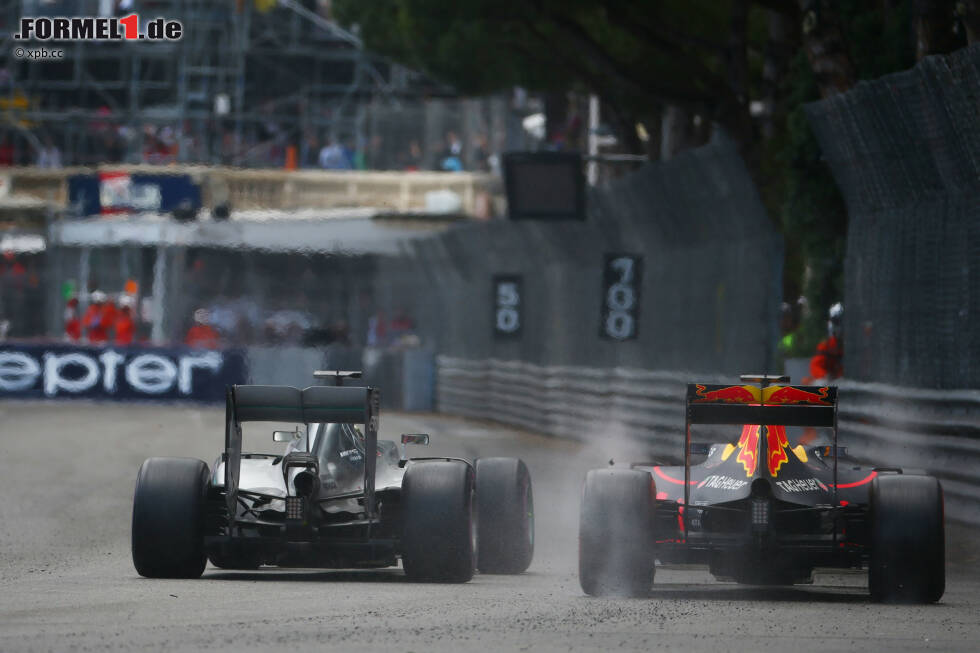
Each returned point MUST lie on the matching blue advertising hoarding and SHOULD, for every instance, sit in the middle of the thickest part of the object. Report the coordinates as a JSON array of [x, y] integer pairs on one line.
[[121, 192], [63, 370]]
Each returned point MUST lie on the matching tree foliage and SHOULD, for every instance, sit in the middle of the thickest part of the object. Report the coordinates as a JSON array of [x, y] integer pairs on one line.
[[800, 189], [636, 56], [709, 58]]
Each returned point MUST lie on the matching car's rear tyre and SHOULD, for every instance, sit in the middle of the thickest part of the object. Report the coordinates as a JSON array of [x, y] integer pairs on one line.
[[908, 542], [168, 518], [505, 516], [438, 528], [615, 533]]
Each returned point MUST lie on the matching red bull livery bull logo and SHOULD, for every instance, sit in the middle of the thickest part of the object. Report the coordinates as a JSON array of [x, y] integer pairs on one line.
[[780, 395], [774, 395], [777, 444], [733, 394], [748, 447]]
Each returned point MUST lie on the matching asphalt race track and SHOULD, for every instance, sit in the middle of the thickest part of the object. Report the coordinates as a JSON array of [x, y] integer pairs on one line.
[[67, 582]]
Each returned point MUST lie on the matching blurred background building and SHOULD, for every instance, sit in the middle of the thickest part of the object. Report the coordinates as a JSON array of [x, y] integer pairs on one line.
[[253, 83]]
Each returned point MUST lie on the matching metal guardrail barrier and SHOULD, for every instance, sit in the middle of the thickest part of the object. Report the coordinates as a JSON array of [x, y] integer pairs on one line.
[[932, 430], [480, 193], [935, 430]]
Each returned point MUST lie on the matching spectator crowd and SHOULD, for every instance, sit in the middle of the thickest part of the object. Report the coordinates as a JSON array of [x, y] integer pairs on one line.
[[269, 146]]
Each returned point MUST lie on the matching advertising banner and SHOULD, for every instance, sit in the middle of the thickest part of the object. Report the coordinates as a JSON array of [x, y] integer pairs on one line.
[[63, 370], [111, 192]]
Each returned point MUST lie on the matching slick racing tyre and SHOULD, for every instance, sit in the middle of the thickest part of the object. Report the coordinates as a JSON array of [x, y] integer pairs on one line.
[[505, 516], [908, 544], [168, 518], [438, 527], [615, 534]]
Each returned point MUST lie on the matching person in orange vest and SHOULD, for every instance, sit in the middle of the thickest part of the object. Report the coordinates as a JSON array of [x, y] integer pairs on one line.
[[124, 327], [94, 323], [109, 312], [828, 363], [73, 325], [202, 334]]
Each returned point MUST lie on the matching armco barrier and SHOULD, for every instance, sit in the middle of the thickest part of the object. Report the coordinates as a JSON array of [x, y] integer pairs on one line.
[[932, 430], [935, 430], [67, 371]]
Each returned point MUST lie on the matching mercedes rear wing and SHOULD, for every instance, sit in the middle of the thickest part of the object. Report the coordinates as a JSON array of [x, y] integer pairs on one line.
[[279, 403], [762, 400]]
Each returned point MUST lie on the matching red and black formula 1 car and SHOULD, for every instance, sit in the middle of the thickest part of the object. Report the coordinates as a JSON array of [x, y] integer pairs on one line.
[[336, 497], [758, 510]]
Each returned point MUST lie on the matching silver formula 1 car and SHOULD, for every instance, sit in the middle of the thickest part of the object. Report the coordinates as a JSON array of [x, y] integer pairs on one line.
[[336, 497]]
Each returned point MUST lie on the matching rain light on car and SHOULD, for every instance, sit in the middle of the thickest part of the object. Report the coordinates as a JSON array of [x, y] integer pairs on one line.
[[294, 507], [760, 513]]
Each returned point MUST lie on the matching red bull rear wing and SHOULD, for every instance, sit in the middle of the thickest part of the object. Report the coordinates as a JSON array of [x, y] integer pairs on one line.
[[785, 405], [769, 403]]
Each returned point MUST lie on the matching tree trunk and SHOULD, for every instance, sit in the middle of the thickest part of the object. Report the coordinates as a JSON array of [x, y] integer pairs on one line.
[[969, 13], [826, 47], [653, 122], [738, 63], [737, 55], [782, 42], [674, 131], [934, 20]]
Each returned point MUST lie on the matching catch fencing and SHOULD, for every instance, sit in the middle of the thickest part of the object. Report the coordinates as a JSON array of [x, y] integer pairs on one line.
[[936, 431], [905, 151], [677, 266]]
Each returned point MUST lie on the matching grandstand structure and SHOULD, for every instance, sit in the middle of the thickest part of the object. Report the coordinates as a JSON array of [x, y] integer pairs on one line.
[[249, 81]]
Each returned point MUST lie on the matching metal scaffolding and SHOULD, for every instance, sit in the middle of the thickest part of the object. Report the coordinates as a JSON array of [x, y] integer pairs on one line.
[[247, 80]]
